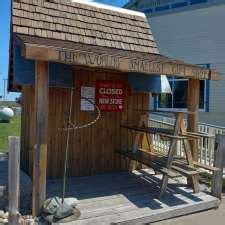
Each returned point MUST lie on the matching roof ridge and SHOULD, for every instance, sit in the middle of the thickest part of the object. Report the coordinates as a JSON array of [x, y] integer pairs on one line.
[[109, 7]]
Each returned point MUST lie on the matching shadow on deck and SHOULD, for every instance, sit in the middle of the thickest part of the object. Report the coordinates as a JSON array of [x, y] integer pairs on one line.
[[130, 198]]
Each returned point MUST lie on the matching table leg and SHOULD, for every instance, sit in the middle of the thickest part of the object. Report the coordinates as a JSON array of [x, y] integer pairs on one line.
[[194, 178], [171, 154], [172, 150], [187, 149]]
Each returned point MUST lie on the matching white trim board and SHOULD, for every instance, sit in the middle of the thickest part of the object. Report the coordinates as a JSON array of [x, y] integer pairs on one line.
[[113, 8]]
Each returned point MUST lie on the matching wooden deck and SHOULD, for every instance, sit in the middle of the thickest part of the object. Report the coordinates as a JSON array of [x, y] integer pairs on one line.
[[125, 198]]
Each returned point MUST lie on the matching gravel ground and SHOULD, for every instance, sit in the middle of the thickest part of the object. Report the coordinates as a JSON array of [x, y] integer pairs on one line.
[[25, 193]]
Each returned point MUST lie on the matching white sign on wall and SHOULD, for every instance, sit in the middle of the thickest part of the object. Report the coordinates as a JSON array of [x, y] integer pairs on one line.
[[88, 93]]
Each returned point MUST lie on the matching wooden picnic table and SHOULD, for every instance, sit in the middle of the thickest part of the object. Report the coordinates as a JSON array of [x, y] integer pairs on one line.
[[167, 164], [179, 133]]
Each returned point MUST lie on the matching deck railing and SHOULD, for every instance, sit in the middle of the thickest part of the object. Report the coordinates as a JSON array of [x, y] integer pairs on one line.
[[205, 144]]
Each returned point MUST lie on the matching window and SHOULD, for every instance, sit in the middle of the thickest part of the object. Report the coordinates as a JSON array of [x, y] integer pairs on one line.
[[178, 98]]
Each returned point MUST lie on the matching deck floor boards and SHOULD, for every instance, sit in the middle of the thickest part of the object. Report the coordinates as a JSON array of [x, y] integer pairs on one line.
[[130, 198]]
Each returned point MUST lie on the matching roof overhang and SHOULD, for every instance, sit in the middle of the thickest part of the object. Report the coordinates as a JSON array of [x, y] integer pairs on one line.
[[108, 58]]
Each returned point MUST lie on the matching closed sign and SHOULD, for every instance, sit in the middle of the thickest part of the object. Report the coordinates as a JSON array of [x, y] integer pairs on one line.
[[110, 95]]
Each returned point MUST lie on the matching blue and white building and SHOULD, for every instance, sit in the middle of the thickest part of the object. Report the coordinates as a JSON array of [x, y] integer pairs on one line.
[[192, 30]]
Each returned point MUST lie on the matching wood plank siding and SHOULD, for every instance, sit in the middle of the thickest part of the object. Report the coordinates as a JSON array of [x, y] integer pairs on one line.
[[199, 40], [91, 149]]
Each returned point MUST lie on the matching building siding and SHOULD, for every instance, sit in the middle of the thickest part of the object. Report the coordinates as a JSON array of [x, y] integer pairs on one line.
[[92, 149], [198, 37]]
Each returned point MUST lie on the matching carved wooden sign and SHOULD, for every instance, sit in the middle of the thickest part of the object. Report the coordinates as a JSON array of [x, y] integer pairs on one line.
[[129, 65], [153, 65]]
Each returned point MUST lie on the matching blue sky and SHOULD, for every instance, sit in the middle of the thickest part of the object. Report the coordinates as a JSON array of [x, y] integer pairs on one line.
[[4, 39], [114, 2]]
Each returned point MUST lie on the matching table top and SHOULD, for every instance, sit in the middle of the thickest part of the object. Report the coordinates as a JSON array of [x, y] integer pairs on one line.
[[153, 130], [167, 132], [168, 111]]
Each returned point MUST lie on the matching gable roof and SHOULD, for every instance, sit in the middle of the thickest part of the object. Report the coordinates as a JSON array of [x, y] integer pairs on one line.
[[89, 24], [90, 35]]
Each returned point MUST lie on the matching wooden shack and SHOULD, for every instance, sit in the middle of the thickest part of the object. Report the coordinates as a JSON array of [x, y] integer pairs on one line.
[[61, 45]]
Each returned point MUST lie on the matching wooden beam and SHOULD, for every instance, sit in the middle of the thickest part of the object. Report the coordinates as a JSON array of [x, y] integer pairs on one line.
[[217, 182], [193, 118], [151, 64], [41, 136], [14, 179]]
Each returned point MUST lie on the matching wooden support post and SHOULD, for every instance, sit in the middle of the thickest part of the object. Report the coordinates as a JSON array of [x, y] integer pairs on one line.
[[192, 123], [193, 106], [217, 181], [41, 136], [14, 180]]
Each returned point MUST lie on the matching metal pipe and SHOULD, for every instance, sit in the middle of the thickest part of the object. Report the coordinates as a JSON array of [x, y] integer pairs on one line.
[[4, 92], [67, 145]]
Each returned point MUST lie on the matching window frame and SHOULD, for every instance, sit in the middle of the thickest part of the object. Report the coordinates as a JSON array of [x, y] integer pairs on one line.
[[174, 79]]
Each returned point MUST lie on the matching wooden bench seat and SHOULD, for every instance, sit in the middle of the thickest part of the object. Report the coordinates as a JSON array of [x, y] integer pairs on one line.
[[200, 134], [148, 160], [158, 163], [179, 160], [206, 167], [173, 136], [178, 166], [195, 136], [185, 171]]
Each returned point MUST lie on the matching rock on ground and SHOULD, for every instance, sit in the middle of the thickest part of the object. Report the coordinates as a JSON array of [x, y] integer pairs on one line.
[[25, 188]]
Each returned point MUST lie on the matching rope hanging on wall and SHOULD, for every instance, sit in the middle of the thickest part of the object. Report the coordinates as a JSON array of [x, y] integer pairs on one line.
[[70, 127], [66, 208]]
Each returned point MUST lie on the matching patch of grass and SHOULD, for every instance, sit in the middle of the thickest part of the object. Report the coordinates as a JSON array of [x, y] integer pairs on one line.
[[9, 129]]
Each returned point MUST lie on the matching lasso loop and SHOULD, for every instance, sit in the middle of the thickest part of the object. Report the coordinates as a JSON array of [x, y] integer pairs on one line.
[[72, 126]]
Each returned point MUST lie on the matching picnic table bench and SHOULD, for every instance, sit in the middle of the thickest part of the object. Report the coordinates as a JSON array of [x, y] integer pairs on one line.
[[168, 164]]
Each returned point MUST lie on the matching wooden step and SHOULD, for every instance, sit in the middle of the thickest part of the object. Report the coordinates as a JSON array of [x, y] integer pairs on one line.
[[206, 167], [184, 171]]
